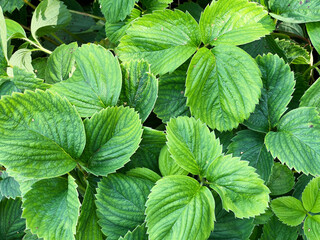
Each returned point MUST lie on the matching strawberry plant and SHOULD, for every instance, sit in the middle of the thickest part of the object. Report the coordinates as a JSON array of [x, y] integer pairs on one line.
[[159, 119]]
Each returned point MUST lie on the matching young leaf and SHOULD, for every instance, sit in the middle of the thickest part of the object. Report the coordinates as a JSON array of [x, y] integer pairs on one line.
[[249, 145], [165, 39], [140, 88], [289, 210], [22, 59], [296, 54], [113, 135], [281, 180], [278, 83], [116, 10], [294, 11], [96, 83], [179, 208], [14, 30], [139, 233], [311, 98], [49, 16], [219, 94], [167, 165], [192, 145], [312, 227], [52, 202], [60, 63], [313, 32], [41, 134], [296, 141], [121, 203], [240, 188], [311, 196], [234, 22]]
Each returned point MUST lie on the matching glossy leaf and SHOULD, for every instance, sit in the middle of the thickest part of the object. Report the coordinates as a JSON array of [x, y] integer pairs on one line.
[[115, 11], [234, 22], [296, 141], [41, 134], [313, 32], [152, 5], [311, 196], [14, 30], [312, 227], [281, 180], [167, 165], [233, 92], [144, 173], [240, 188], [311, 98], [165, 39], [179, 208]]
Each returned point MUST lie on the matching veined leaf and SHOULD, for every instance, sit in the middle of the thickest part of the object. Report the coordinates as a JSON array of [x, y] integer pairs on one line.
[[297, 140], [165, 39], [14, 30], [49, 16], [240, 188], [121, 203], [249, 145], [234, 22], [30, 236], [22, 59], [193, 8], [3, 35], [113, 135], [96, 83], [301, 183], [41, 134], [312, 227], [139, 233], [144, 173], [179, 208], [278, 83], [167, 165], [9, 187], [219, 93], [116, 10], [11, 5], [281, 180], [60, 63], [311, 196], [313, 32], [52, 202], [295, 11], [152, 5], [39, 64], [192, 145], [289, 210], [295, 53], [139, 88], [311, 98]]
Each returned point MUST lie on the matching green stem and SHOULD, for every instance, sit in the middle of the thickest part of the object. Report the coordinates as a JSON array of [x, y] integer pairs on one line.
[[88, 15], [74, 36], [57, 38], [29, 4], [37, 45], [310, 68]]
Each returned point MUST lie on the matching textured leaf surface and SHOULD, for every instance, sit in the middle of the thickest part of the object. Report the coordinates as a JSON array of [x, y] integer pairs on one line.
[[192, 145], [179, 208], [22, 59], [144, 173], [278, 83], [41, 134], [58, 207], [116, 10], [313, 32], [297, 139], [296, 54], [302, 182], [311, 98], [139, 88], [171, 101], [240, 188], [3, 34], [113, 135], [312, 227], [121, 203], [223, 86], [295, 11], [167, 165], [289, 210], [152, 5], [12, 225], [96, 83], [249, 145], [165, 39], [139, 233], [281, 180], [60, 63], [11, 5], [234, 22], [311, 196], [9, 187]]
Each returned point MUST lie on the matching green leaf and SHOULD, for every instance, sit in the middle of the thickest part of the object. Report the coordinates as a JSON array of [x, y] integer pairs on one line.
[[294, 11], [30, 236], [41, 134], [9, 187], [313, 32], [193, 8], [295, 53], [39, 64], [291, 28], [240, 188], [88, 227], [172, 37], [234, 22], [12, 225], [52, 202], [11, 5], [289, 210], [144, 173], [60, 63], [95, 84], [22, 59], [311, 98], [113, 135], [249, 145], [152, 5], [171, 101], [300, 185], [49, 16], [276, 230], [278, 85], [234, 91], [296, 141], [311, 196], [167, 165], [179, 208], [121, 203], [139, 88], [281, 180], [312, 227], [192, 145], [116, 10], [263, 218], [3, 34], [139, 233], [14, 30]]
